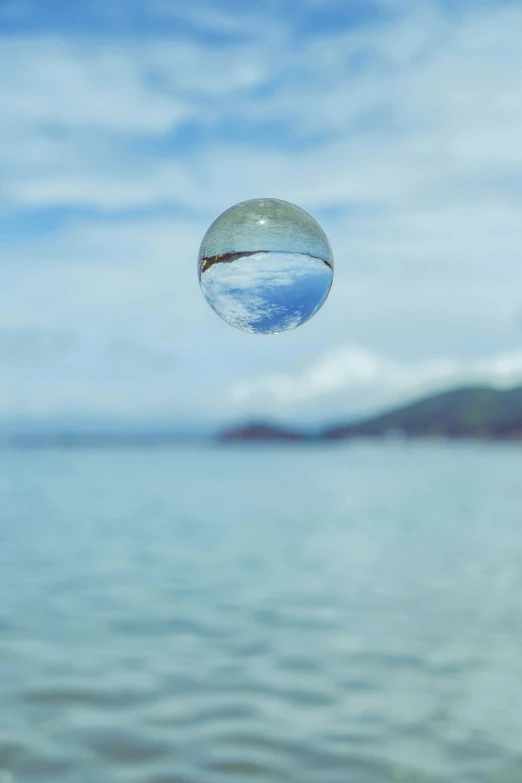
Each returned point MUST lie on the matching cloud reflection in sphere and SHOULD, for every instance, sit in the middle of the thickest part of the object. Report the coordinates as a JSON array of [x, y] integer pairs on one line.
[[265, 266]]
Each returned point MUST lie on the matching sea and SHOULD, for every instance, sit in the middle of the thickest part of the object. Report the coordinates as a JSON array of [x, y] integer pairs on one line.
[[343, 613]]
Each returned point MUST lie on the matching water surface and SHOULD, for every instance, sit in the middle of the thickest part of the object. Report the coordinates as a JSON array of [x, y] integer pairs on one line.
[[309, 615]]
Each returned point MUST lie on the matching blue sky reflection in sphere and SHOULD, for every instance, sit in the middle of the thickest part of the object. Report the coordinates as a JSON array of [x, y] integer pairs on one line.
[[265, 266]]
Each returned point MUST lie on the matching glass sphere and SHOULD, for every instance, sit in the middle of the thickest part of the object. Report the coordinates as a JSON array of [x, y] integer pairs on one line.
[[265, 266]]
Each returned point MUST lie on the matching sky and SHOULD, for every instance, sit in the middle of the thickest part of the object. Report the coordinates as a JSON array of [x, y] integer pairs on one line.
[[126, 128]]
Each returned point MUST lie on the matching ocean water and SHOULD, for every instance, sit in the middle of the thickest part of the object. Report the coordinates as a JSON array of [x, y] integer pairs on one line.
[[346, 614]]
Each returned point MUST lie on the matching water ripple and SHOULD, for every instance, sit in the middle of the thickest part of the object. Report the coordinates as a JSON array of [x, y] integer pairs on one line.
[[299, 634]]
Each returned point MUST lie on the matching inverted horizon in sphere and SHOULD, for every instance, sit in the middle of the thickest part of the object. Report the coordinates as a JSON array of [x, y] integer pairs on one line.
[[265, 266]]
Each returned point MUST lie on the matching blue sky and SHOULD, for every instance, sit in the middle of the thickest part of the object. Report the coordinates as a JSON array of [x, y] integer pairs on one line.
[[127, 127]]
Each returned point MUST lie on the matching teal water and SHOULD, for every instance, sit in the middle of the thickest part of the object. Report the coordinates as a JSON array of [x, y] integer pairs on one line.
[[348, 614]]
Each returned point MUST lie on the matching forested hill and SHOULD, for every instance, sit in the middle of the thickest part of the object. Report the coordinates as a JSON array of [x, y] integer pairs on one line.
[[474, 412]]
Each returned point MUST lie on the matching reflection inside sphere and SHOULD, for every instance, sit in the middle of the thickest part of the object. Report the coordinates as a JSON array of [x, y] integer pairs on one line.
[[267, 292], [265, 266]]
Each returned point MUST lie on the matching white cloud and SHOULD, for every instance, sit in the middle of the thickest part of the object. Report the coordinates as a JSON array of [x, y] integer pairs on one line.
[[351, 380], [247, 22], [47, 81], [432, 108]]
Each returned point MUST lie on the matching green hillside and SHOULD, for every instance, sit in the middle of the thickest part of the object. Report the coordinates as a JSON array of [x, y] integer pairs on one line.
[[476, 412], [463, 413]]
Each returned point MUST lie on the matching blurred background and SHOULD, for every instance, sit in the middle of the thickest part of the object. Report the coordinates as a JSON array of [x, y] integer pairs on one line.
[[330, 612]]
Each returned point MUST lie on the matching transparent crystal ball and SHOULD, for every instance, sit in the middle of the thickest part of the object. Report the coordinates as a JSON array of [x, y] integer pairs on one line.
[[265, 266]]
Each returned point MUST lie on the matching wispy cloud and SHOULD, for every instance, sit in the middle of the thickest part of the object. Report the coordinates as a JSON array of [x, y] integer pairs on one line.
[[412, 110], [352, 381]]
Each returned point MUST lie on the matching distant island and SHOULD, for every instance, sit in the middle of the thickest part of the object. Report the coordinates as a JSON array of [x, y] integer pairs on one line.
[[473, 412]]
